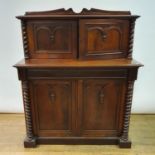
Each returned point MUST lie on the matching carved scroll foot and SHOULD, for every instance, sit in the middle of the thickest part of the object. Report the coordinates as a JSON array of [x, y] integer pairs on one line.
[[124, 143], [29, 143]]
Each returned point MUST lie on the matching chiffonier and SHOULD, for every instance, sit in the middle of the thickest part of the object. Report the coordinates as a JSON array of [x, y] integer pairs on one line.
[[77, 76]]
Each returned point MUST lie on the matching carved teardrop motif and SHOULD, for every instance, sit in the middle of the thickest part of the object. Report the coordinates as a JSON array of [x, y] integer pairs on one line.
[[49, 36], [104, 38]]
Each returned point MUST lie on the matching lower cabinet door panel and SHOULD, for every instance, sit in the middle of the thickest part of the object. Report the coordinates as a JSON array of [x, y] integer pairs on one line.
[[101, 108], [83, 108], [53, 102]]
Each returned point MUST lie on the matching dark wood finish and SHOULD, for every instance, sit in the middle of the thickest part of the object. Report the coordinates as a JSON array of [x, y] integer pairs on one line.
[[30, 140], [69, 99], [131, 35], [90, 34], [103, 38], [53, 101], [69, 63], [83, 12], [79, 140], [101, 99], [124, 142], [52, 39]]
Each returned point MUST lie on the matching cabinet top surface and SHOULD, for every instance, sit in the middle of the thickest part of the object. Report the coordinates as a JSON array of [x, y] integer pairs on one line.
[[69, 63]]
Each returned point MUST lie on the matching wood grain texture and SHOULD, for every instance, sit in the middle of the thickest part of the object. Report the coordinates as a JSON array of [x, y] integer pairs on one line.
[[85, 13], [26, 100], [53, 102], [25, 39], [68, 98], [131, 39], [30, 139], [103, 38], [58, 63], [52, 39], [53, 106], [124, 141], [142, 131], [99, 34], [102, 98]]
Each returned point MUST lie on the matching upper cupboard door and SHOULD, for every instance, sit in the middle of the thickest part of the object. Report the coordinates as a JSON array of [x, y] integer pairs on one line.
[[52, 39], [103, 38]]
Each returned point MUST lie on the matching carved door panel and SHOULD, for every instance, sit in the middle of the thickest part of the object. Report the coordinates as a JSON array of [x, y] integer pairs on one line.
[[103, 38], [52, 39], [54, 106], [101, 108]]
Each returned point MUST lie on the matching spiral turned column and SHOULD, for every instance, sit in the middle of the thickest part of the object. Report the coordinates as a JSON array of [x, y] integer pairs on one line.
[[132, 26], [124, 142], [30, 140], [25, 40]]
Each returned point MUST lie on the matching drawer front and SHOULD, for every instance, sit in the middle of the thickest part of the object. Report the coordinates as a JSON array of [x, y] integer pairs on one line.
[[101, 107], [52, 39], [76, 73], [53, 102], [103, 38]]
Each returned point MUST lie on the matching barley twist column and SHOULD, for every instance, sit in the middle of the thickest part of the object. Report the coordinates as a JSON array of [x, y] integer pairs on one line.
[[30, 140], [124, 142], [132, 26], [25, 39]]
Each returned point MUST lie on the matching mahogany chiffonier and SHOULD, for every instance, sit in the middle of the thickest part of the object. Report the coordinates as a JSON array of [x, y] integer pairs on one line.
[[77, 76]]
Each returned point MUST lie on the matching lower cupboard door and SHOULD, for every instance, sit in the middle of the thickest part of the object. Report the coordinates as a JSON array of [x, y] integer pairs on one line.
[[101, 108], [53, 105]]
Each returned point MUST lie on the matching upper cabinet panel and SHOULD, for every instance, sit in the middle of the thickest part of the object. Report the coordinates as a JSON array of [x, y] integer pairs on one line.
[[89, 34], [52, 39], [103, 38]]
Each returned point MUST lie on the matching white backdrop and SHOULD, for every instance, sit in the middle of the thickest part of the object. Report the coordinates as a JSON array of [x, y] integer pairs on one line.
[[11, 49]]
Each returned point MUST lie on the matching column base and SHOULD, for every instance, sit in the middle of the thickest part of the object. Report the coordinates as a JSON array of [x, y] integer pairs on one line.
[[124, 144], [29, 143]]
